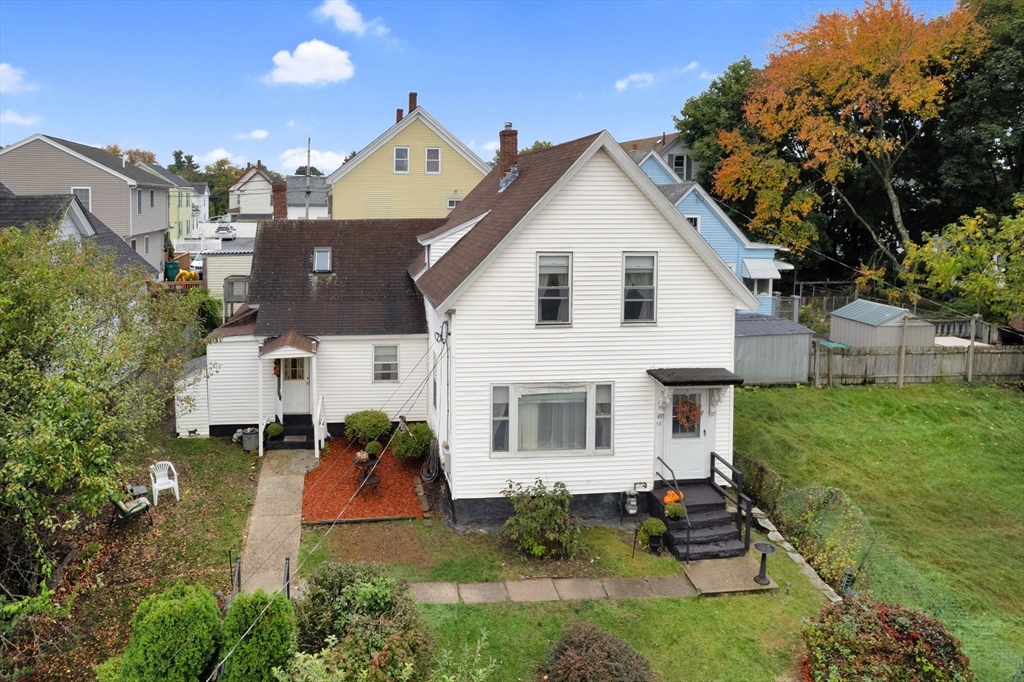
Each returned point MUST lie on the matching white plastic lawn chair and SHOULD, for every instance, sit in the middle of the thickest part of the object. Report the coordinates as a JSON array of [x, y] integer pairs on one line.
[[160, 480]]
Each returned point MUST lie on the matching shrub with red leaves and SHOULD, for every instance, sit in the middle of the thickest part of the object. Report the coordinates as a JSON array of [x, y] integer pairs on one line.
[[859, 639], [586, 653]]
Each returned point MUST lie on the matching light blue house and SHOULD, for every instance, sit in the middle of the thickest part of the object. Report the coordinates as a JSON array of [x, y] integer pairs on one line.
[[753, 262]]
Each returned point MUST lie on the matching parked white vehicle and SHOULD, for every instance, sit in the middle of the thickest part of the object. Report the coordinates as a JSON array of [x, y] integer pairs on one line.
[[225, 232]]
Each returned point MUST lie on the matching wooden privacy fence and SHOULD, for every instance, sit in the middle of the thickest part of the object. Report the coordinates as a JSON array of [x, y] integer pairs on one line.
[[831, 366]]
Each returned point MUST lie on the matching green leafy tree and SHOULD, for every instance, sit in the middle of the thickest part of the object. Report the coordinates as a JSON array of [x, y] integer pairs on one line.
[[134, 155], [185, 166], [220, 175], [313, 170], [979, 259], [88, 357], [348, 157]]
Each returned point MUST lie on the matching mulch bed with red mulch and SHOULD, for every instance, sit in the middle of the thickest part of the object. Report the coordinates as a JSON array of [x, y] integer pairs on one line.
[[330, 486]]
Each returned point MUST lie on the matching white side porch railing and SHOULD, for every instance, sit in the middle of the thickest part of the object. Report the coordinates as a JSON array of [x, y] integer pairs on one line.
[[319, 427], [263, 425]]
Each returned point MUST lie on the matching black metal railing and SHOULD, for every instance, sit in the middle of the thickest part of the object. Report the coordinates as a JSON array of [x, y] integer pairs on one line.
[[686, 512], [744, 505]]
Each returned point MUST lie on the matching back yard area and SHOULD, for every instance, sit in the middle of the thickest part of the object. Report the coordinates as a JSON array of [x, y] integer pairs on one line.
[[938, 469]]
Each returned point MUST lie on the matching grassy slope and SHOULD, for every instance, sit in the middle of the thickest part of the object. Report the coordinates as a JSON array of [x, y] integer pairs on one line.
[[937, 468], [188, 541]]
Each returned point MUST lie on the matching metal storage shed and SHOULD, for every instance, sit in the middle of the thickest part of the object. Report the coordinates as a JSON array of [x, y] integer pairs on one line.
[[866, 324], [771, 350]]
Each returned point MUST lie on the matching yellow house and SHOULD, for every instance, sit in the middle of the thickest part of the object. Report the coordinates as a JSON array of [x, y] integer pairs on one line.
[[416, 169], [179, 200]]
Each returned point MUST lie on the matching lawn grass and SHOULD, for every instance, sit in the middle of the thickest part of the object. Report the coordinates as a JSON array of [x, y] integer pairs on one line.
[[750, 637], [420, 553], [189, 541], [939, 471]]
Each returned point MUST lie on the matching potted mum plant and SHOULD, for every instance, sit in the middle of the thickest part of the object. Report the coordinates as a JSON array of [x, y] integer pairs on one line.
[[651, 532]]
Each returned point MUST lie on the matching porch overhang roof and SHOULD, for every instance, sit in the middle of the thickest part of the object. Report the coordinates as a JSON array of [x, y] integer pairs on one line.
[[287, 344], [695, 376]]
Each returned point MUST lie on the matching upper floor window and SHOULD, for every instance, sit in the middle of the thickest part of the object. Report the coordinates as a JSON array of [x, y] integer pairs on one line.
[[682, 166], [638, 287], [385, 363], [452, 203], [401, 159], [152, 198], [758, 287], [145, 243], [554, 288], [84, 195], [433, 160], [694, 221], [322, 259], [138, 196]]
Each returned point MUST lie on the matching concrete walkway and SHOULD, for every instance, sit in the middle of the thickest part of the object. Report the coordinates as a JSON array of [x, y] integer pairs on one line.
[[716, 576], [275, 521]]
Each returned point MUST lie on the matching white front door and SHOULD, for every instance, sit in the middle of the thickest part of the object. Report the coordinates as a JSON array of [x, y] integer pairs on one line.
[[294, 386], [685, 447]]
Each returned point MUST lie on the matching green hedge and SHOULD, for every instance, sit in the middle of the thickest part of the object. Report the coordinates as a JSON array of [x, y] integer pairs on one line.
[[367, 425], [412, 443], [270, 643]]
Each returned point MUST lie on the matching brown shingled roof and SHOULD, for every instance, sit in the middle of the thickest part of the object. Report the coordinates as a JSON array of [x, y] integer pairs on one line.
[[291, 339], [538, 172], [647, 144], [367, 291]]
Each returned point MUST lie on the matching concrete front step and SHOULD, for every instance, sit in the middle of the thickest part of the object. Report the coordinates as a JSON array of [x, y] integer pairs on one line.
[[703, 535], [288, 445], [718, 517], [298, 430], [710, 550]]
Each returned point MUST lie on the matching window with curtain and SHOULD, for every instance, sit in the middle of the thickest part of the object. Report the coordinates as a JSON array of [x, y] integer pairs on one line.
[[638, 288], [553, 288], [499, 418], [385, 363], [553, 421]]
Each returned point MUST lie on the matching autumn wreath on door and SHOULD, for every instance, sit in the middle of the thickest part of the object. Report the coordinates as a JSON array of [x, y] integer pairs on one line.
[[687, 413]]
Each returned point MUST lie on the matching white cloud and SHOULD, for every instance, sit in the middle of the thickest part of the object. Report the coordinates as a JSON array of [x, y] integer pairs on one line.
[[220, 153], [325, 161], [689, 67], [314, 62], [637, 80], [347, 19], [705, 76], [12, 80], [492, 146], [254, 135], [291, 123], [13, 118]]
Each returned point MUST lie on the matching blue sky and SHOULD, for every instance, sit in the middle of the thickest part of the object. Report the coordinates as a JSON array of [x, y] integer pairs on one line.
[[251, 80]]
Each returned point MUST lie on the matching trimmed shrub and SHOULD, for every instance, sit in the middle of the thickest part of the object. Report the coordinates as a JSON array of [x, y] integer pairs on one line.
[[378, 628], [373, 448], [862, 639], [542, 525], [412, 443], [586, 653], [675, 511], [274, 430], [175, 636], [651, 526], [271, 641], [109, 670], [366, 425]]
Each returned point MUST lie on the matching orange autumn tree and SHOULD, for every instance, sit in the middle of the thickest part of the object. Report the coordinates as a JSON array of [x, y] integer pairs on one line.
[[850, 92]]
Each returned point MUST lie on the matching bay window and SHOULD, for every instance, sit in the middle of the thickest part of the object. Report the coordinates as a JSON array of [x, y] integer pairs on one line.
[[553, 419]]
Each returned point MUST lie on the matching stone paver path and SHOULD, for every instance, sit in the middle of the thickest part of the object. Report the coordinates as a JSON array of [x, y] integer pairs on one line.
[[274, 523]]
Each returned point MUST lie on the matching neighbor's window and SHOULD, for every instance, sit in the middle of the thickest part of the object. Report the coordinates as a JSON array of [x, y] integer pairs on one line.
[[385, 363], [499, 419], [694, 221], [452, 203], [759, 287], [84, 195], [554, 276], [322, 259], [682, 166], [145, 244], [152, 198], [135, 246], [139, 202], [433, 160], [401, 159], [638, 287], [551, 418]]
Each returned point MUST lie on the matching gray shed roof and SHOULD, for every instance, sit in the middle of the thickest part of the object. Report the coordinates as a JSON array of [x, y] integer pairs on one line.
[[754, 324], [869, 312], [201, 188], [675, 191], [297, 190]]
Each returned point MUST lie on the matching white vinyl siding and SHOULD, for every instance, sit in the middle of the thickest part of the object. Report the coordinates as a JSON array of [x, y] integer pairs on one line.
[[598, 215], [345, 378], [433, 161], [84, 195], [401, 159], [233, 365]]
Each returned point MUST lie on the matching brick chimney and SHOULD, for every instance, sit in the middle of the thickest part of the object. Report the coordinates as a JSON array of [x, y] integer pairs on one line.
[[412, 101], [635, 146], [398, 115], [509, 146], [280, 194]]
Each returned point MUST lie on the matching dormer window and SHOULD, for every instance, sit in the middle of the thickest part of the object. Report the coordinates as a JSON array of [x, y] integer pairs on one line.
[[322, 259]]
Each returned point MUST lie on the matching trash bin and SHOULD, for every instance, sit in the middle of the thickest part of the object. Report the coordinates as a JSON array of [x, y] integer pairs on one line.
[[250, 439], [171, 269]]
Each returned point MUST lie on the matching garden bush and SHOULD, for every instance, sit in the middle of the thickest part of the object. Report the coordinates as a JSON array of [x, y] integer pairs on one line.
[[373, 448], [109, 670], [586, 653], [175, 636], [650, 526], [859, 639], [413, 443], [274, 430], [542, 525], [377, 625], [675, 511], [366, 425], [271, 641]]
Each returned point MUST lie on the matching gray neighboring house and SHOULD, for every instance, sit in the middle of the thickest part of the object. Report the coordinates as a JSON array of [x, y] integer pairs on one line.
[[74, 221], [318, 204], [130, 201], [866, 324]]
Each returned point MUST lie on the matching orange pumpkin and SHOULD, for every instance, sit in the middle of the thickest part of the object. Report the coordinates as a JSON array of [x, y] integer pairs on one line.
[[671, 497]]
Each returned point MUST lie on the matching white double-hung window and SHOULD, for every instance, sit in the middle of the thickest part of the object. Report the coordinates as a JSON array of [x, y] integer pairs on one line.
[[401, 159], [554, 288], [385, 363], [554, 419], [433, 161], [639, 277]]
